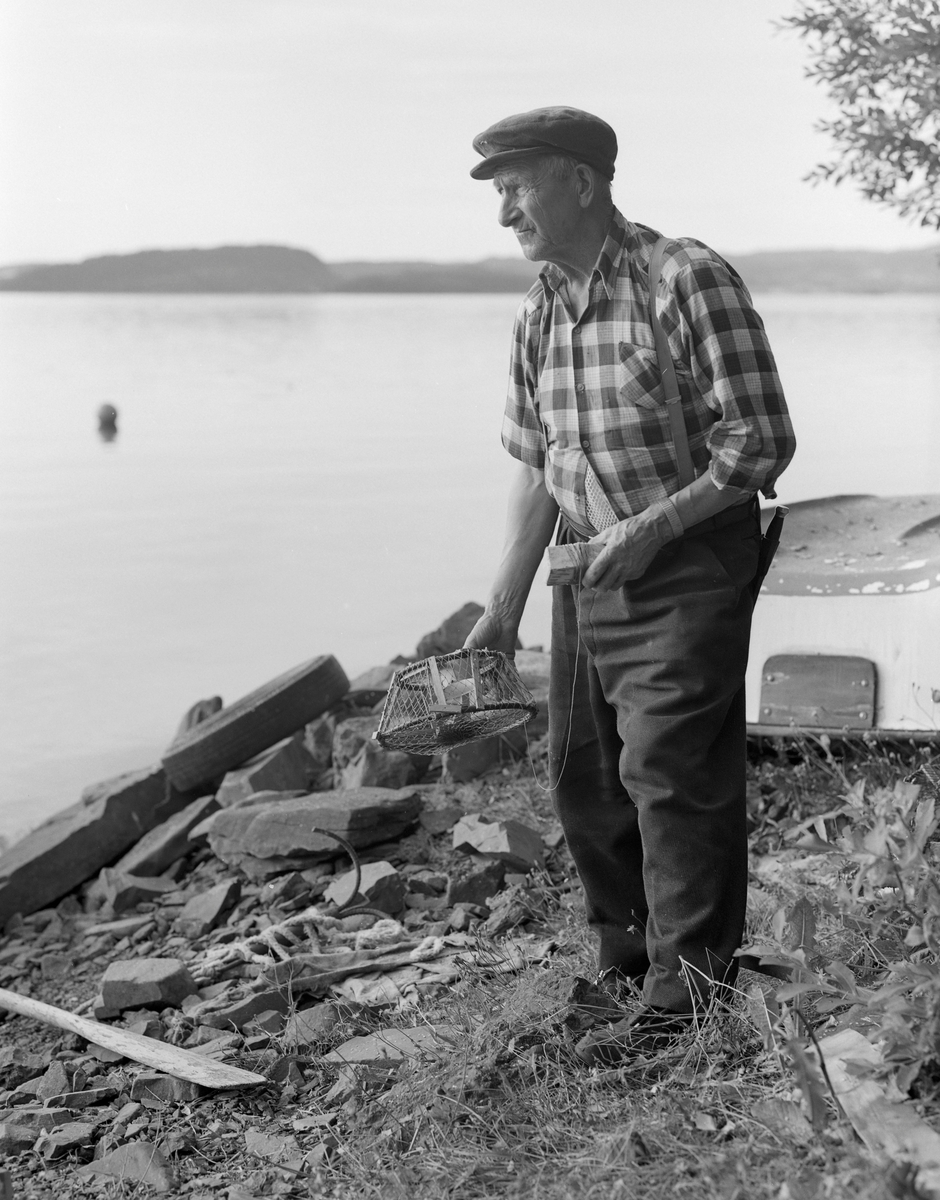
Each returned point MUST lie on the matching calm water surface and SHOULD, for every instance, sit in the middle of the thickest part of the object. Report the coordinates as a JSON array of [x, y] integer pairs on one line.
[[312, 474]]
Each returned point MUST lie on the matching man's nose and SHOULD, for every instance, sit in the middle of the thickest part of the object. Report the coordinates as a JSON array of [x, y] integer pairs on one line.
[[507, 209]]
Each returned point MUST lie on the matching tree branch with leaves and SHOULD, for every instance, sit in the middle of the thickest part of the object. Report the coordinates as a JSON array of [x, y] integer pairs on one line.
[[880, 63]]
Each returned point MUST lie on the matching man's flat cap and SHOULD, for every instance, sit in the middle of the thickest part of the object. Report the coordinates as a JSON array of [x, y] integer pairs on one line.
[[557, 130]]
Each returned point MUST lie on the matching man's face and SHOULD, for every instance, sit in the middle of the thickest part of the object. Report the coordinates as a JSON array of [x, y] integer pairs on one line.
[[542, 211]]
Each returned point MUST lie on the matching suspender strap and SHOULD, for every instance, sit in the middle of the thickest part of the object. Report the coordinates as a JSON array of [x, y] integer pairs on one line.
[[667, 372]]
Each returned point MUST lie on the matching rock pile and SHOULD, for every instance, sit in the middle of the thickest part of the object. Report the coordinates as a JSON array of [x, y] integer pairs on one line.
[[247, 919]]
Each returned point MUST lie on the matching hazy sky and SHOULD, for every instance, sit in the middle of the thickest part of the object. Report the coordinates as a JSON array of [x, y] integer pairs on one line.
[[344, 126]]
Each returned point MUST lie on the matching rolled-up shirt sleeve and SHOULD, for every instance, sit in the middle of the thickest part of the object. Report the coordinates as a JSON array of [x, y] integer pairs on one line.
[[522, 433], [733, 368]]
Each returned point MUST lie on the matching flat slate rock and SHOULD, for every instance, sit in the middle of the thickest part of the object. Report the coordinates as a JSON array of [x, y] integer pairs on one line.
[[138, 1161], [287, 766], [75, 844], [511, 842], [375, 767], [166, 842], [146, 982], [208, 909], [308, 1026], [123, 892], [350, 736], [164, 1089], [389, 1045], [285, 828], [276, 710], [451, 634], [380, 886]]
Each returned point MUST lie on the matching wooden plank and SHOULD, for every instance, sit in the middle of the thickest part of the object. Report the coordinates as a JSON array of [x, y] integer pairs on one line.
[[569, 562], [479, 697], [435, 677], [892, 1130], [172, 1060], [818, 690]]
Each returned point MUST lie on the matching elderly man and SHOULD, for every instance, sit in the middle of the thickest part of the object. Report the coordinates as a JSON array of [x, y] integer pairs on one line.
[[649, 648]]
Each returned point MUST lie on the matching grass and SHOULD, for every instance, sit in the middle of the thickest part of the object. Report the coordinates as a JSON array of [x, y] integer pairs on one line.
[[505, 1109]]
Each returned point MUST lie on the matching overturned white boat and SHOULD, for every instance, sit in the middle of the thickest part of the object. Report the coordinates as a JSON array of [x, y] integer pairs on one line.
[[846, 634]]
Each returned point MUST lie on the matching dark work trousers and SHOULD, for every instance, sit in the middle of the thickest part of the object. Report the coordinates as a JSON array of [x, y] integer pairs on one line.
[[647, 736]]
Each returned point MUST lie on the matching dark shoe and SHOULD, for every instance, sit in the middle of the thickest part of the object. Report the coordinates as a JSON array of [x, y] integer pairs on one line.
[[648, 1031], [609, 997]]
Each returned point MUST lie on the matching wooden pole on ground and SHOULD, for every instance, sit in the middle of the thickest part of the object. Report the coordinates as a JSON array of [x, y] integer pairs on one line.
[[172, 1060]]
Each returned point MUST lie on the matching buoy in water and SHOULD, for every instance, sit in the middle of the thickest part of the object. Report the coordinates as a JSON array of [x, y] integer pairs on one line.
[[107, 422]]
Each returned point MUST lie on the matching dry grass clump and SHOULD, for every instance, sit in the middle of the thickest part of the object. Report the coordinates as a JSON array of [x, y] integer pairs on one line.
[[510, 1111], [843, 894]]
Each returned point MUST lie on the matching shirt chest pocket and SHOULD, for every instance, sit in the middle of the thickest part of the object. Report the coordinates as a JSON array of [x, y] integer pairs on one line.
[[638, 376]]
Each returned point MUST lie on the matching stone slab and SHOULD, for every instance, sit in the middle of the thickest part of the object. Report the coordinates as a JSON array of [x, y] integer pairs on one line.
[[311, 1025], [375, 679], [475, 885], [75, 844], [510, 842], [237, 1015], [375, 767], [140, 1161], [53, 1082], [76, 1135], [451, 633], [380, 886], [318, 739], [15, 1139], [472, 760], [165, 1089], [87, 1098], [207, 910], [349, 736], [123, 892], [146, 982], [389, 1046], [286, 766], [166, 842], [285, 829]]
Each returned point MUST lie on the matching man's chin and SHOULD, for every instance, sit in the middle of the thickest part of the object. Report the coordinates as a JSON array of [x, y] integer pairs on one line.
[[532, 249]]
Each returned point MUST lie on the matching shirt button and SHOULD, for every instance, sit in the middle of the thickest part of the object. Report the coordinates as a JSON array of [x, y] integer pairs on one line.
[[586, 443], [579, 387]]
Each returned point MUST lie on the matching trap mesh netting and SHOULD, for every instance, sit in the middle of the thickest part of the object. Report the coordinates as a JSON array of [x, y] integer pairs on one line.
[[451, 699]]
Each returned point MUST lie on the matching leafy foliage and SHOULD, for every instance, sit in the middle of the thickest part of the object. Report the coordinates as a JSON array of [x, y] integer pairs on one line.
[[880, 62], [884, 839]]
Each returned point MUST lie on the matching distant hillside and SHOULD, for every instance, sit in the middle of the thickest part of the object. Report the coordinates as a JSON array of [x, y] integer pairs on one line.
[[225, 269], [490, 275], [840, 270], [286, 270]]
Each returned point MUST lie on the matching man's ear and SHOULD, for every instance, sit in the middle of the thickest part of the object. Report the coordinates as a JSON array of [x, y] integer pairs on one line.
[[584, 181]]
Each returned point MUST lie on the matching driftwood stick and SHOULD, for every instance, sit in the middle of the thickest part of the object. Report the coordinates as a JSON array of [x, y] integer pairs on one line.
[[172, 1060]]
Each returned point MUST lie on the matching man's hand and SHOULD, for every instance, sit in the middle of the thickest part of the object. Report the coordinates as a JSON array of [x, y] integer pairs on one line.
[[492, 632], [628, 549]]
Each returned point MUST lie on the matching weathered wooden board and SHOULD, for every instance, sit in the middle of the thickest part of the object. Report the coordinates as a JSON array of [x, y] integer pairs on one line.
[[569, 562], [889, 1130], [172, 1060], [829, 691]]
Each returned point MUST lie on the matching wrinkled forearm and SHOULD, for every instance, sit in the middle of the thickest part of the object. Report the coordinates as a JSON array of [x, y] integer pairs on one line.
[[700, 500], [530, 520]]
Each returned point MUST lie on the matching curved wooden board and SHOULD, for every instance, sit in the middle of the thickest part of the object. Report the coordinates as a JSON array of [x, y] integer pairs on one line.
[[172, 1060]]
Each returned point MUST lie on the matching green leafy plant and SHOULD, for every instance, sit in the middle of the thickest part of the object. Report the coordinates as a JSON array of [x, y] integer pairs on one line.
[[880, 63], [888, 899]]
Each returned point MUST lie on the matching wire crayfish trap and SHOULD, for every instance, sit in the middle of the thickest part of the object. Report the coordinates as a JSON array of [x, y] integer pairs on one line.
[[451, 699]]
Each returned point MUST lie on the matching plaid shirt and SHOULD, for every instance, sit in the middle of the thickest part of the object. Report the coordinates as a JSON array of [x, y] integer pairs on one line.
[[591, 392]]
